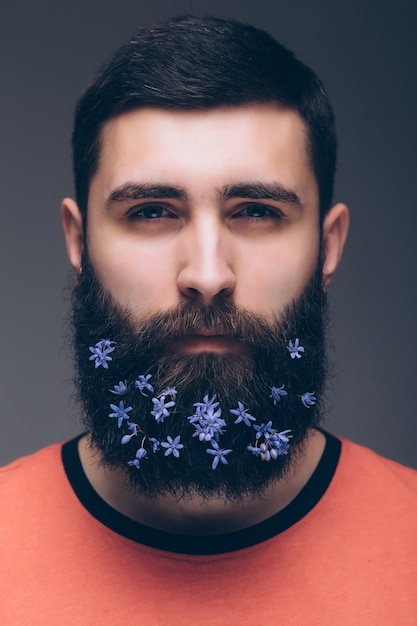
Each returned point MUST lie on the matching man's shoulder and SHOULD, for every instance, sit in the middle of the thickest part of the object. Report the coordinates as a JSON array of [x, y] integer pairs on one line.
[[30, 474], [376, 477], [45, 454]]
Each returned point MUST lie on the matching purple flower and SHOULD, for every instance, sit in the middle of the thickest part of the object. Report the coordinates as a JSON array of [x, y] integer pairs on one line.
[[274, 445], [140, 454], [254, 450], [120, 412], [277, 392], [264, 430], [143, 384], [119, 389], [295, 349], [308, 399], [172, 446], [279, 443], [242, 415], [100, 353], [155, 444], [208, 403], [171, 392], [207, 423], [218, 453], [134, 428], [160, 408]]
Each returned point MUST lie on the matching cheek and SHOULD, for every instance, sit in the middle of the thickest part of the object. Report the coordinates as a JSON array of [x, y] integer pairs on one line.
[[139, 277], [276, 277]]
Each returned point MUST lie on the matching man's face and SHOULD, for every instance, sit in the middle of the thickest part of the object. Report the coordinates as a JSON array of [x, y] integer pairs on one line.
[[214, 203], [203, 261]]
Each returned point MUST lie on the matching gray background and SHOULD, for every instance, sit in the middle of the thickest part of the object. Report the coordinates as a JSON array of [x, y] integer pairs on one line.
[[364, 51]]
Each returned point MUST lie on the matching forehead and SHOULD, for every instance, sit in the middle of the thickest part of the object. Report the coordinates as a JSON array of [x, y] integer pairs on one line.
[[205, 149]]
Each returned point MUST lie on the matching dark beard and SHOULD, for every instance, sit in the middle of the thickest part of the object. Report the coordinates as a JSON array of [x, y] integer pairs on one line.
[[245, 375]]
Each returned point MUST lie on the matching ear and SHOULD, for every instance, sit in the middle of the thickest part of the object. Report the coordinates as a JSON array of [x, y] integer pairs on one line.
[[335, 229], [72, 223]]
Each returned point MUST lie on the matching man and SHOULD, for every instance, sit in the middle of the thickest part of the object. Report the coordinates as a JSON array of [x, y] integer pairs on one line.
[[203, 238]]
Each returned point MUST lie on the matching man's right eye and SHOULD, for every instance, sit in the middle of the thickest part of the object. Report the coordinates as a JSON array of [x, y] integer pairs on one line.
[[150, 212]]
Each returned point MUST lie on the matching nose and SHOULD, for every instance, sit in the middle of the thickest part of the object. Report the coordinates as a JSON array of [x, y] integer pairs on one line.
[[207, 268]]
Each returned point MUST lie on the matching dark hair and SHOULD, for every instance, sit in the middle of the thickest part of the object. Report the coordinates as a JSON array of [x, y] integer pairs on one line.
[[202, 63]]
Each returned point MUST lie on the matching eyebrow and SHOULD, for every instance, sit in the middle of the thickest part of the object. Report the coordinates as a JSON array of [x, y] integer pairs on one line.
[[262, 191], [253, 191], [139, 191]]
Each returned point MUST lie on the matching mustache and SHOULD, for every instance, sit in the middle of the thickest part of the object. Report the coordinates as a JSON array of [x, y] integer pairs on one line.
[[192, 318], [195, 318]]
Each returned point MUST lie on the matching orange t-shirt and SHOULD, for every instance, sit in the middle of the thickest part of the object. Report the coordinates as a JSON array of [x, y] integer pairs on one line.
[[349, 559]]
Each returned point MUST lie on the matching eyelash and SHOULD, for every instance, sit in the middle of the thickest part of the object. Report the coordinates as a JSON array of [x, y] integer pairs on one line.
[[266, 213], [138, 214]]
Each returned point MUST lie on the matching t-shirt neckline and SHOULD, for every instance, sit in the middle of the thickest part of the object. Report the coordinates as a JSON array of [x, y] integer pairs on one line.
[[302, 504]]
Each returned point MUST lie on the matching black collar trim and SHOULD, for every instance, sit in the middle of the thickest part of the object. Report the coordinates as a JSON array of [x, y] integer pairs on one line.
[[306, 500]]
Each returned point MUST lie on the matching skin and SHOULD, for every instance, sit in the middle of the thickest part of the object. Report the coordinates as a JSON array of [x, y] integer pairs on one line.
[[204, 235]]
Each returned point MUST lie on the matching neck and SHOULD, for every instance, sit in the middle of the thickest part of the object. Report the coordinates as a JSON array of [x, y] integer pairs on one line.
[[193, 515]]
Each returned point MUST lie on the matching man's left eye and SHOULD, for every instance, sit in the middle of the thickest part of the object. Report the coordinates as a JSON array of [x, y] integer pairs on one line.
[[256, 211]]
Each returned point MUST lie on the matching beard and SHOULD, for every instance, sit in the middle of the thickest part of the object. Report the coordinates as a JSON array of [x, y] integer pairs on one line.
[[246, 375]]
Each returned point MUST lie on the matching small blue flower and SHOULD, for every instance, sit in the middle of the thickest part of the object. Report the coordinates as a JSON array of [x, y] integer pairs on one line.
[[295, 349], [143, 384], [207, 422], [254, 450], [120, 412], [280, 443], [119, 389], [208, 403], [218, 453], [242, 415], [266, 452], [160, 408], [308, 399], [134, 428], [274, 445], [277, 392], [202, 432], [171, 392], [172, 446], [100, 353], [264, 430], [155, 444], [140, 454]]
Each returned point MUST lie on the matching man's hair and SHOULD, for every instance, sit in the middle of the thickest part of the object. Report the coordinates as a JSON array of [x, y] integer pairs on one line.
[[193, 63]]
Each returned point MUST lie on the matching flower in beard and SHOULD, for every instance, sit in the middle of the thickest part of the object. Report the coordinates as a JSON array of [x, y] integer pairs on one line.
[[156, 444], [308, 399], [242, 415], [207, 420], [264, 430], [295, 349], [143, 384], [133, 431], [170, 392], [140, 454], [160, 408], [120, 389], [172, 446], [100, 353], [120, 412], [277, 392], [274, 445], [218, 453], [244, 375]]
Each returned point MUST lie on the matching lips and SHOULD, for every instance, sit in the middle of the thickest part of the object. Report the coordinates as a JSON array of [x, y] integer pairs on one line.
[[207, 340]]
